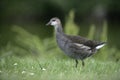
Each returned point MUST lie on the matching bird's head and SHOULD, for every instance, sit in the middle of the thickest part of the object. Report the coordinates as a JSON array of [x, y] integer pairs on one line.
[[54, 22]]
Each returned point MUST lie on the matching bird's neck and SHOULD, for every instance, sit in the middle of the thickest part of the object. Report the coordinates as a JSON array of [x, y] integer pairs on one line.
[[59, 29]]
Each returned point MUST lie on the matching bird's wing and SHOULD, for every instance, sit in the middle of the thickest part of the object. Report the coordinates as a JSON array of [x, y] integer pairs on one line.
[[82, 46], [82, 51], [85, 43]]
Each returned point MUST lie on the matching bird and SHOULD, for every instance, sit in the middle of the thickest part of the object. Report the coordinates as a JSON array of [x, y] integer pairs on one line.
[[76, 47]]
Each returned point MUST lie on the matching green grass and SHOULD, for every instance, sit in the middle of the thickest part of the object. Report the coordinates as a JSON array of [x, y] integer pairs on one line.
[[29, 68], [27, 56]]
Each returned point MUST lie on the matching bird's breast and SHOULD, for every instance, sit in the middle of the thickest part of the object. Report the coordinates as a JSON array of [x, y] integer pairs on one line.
[[62, 43]]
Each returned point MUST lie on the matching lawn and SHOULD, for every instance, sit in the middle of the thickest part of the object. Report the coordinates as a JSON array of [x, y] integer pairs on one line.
[[37, 68], [27, 56]]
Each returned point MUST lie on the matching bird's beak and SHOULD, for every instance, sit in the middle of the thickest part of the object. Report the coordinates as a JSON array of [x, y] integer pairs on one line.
[[48, 23]]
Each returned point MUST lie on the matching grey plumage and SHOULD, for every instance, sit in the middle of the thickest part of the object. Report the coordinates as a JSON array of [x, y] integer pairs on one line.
[[75, 47]]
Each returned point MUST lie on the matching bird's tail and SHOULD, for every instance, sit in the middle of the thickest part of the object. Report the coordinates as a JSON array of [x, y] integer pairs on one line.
[[100, 45]]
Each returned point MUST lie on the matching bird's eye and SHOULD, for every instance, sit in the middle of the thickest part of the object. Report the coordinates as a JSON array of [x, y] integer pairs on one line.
[[53, 20]]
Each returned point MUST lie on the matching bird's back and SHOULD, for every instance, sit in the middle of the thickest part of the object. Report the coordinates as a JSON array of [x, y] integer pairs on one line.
[[77, 47], [81, 40]]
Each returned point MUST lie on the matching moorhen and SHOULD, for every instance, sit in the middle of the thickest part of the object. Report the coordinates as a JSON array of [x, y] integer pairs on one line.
[[76, 47]]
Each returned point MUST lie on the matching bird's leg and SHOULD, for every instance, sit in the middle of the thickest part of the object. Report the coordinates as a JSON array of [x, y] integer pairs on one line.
[[76, 63], [83, 63]]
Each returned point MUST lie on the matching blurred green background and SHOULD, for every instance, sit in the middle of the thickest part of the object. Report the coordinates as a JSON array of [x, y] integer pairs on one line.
[[23, 30], [28, 49]]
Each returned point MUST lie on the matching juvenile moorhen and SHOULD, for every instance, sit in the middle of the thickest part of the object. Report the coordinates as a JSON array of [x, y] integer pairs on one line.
[[76, 47]]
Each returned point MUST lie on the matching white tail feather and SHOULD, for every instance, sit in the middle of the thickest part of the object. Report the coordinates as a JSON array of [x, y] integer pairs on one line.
[[100, 46]]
